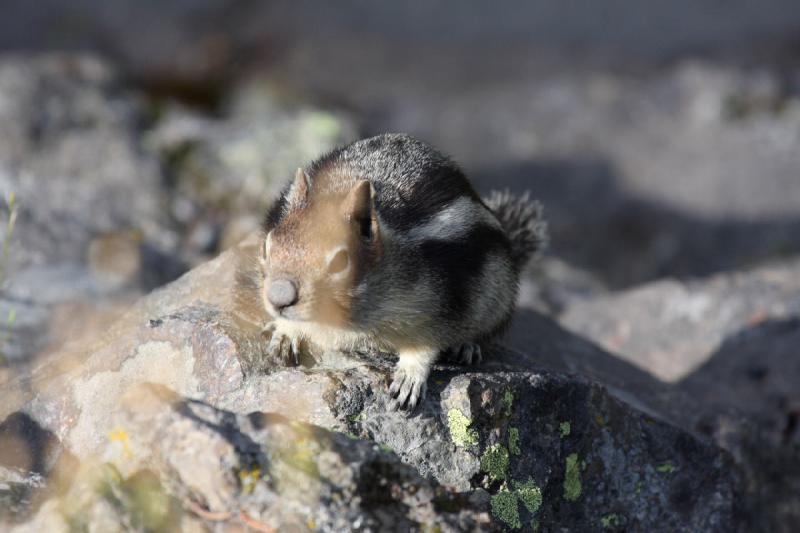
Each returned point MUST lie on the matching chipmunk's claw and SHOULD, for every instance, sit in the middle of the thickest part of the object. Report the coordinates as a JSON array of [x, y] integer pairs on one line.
[[282, 349]]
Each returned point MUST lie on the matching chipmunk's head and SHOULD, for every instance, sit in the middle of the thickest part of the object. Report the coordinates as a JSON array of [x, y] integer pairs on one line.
[[319, 249]]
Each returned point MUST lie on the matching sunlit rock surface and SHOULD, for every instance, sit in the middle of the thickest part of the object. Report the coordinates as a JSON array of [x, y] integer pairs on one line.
[[509, 442]]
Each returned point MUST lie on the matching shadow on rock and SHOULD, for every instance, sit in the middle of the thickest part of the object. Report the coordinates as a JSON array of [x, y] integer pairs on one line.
[[538, 341], [750, 405]]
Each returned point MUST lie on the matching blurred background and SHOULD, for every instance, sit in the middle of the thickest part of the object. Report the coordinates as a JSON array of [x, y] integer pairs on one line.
[[140, 138]]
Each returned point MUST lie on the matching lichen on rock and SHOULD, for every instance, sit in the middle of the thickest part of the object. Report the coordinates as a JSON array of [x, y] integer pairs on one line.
[[508, 402], [494, 461], [609, 521], [513, 441], [461, 432], [505, 508], [666, 468], [530, 494], [572, 478]]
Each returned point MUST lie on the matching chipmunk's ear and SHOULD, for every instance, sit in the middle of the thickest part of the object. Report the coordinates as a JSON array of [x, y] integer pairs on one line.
[[298, 193], [359, 208]]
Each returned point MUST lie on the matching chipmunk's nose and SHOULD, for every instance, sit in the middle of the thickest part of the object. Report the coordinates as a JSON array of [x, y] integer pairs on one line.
[[282, 293]]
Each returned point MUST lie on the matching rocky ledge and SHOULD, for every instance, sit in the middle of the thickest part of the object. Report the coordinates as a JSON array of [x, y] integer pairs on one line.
[[173, 418]]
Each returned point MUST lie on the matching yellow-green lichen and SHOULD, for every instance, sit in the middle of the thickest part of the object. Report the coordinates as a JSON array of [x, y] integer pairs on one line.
[[461, 433], [530, 494], [248, 479], [494, 461], [609, 521], [513, 441], [564, 428], [505, 508], [666, 468], [508, 402], [572, 478]]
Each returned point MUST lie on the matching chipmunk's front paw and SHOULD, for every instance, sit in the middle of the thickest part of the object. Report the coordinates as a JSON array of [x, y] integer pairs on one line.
[[468, 353], [409, 382], [407, 389], [282, 350]]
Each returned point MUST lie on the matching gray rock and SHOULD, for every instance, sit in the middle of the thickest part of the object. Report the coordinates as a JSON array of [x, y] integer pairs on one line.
[[537, 446], [16, 489], [729, 345], [69, 151], [670, 328], [171, 460], [89, 227], [229, 169]]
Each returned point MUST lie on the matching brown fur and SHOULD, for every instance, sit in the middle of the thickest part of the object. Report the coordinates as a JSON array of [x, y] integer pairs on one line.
[[317, 226]]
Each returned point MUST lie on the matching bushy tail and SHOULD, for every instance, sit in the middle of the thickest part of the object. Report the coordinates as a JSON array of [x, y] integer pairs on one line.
[[523, 221]]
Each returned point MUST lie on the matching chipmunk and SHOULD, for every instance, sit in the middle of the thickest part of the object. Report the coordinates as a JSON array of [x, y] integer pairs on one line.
[[384, 244]]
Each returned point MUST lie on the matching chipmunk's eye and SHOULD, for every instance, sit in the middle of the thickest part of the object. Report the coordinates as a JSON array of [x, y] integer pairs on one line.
[[365, 228], [339, 262]]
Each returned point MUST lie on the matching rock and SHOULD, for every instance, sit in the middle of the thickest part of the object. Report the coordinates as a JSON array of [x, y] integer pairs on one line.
[[259, 470], [32, 462], [87, 198], [670, 328], [728, 343], [550, 285], [530, 445], [16, 490], [232, 167], [68, 129]]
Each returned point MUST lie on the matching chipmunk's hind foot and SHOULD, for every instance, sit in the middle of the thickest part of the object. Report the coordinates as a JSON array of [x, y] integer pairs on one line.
[[468, 353]]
